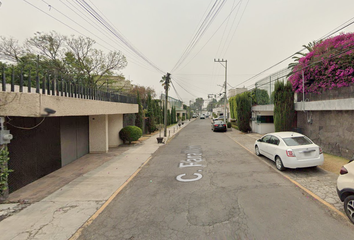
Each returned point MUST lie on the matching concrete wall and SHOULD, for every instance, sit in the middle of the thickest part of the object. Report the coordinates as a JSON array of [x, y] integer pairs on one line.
[[332, 130], [32, 105], [262, 110]]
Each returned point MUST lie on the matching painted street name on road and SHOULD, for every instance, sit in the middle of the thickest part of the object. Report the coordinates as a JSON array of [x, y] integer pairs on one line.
[[193, 159]]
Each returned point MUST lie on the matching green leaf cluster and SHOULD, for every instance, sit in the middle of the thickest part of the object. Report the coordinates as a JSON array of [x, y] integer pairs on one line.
[[4, 170], [130, 133], [244, 111], [233, 107], [259, 96], [284, 112]]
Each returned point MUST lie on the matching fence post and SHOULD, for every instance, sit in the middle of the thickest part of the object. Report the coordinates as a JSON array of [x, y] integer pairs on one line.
[[29, 82], [3, 80]]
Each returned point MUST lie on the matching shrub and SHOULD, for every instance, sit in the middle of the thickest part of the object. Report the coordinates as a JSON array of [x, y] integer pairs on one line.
[[328, 65], [283, 106], [244, 111], [259, 97], [130, 133], [229, 124]]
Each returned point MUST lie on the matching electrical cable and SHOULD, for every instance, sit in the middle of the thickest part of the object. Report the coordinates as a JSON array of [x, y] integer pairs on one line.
[[227, 23], [328, 35], [25, 128], [75, 30], [96, 16], [184, 88], [236, 28], [209, 39], [178, 96], [200, 32], [132, 59]]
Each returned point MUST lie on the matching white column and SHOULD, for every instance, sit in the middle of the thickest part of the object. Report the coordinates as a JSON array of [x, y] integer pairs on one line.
[[98, 133], [115, 124]]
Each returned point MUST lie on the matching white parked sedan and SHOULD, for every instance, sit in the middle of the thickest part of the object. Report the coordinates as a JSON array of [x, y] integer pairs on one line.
[[289, 150]]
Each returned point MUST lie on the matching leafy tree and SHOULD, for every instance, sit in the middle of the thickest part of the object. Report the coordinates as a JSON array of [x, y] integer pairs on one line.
[[211, 105], [199, 103], [143, 92], [168, 117], [233, 107], [92, 63], [140, 115], [283, 106], [150, 114], [259, 96], [10, 49], [244, 111], [328, 65], [74, 58]]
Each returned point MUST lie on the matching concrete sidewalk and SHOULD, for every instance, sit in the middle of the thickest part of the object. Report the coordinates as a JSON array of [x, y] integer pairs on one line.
[[56, 206]]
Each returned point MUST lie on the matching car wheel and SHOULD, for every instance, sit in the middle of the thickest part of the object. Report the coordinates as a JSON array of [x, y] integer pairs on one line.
[[349, 207], [258, 153], [279, 164]]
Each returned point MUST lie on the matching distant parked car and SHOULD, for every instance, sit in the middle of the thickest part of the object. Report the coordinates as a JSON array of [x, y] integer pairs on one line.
[[345, 189], [202, 117], [289, 150], [218, 126], [194, 115]]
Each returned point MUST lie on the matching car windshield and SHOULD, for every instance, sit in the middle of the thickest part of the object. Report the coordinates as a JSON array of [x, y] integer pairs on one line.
[[297, 141], [219, 122]]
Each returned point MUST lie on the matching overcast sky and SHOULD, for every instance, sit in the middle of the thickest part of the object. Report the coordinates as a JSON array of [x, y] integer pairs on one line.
[[252, 35]]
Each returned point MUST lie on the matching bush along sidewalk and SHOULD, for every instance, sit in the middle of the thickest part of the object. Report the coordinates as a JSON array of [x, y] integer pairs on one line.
[[130, 133], [4, 173]]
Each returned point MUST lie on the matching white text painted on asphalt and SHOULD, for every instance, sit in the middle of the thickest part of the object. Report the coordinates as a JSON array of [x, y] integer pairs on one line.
[[193, 159]]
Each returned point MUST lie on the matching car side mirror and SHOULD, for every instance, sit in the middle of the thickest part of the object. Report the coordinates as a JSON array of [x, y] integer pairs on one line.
[[259, 140]]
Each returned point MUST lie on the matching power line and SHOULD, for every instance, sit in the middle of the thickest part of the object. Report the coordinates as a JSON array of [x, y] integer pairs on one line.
[[326, 36], [184, 88], [215, 9], [211, 36], [105, 24]]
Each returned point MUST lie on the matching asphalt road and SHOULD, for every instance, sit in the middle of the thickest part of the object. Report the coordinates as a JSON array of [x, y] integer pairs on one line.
[[201, 185]]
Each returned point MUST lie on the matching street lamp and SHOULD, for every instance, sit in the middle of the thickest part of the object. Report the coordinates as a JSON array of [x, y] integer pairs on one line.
[[225, 66]]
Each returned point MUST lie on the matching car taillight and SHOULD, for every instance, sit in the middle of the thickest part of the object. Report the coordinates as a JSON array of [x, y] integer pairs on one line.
[[343, 171], [321, 151], [215, 125], [224, 125], [290, 153]]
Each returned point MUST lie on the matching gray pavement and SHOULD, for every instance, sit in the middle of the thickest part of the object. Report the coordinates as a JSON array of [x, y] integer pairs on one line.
[[318, 181], [61, 213]]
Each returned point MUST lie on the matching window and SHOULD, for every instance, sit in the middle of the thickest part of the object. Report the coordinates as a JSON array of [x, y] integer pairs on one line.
[[274, 140], [297, 141], [265, 119], [266, 139]]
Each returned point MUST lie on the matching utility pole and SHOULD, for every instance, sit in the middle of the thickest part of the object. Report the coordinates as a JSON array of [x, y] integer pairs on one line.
[[225, 66], [167, 84]]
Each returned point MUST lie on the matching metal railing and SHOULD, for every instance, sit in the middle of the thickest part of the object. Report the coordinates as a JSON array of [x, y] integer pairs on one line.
[[60, 87]]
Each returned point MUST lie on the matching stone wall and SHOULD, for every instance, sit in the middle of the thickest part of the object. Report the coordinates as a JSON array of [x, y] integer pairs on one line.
[[332, 130], [336, 93]]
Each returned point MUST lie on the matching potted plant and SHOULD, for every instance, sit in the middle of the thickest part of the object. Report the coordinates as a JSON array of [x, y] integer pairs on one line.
[[159, 138]]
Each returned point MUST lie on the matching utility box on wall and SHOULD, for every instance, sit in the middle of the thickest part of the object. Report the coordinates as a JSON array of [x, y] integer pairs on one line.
[[5, 137]]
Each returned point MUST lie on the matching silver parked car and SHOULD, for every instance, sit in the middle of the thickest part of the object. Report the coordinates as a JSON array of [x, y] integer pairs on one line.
[[289, 150], [345, 188]]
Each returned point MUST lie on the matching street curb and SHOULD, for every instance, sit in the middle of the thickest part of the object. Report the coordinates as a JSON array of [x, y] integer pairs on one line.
[[331, 207], [78, 233]]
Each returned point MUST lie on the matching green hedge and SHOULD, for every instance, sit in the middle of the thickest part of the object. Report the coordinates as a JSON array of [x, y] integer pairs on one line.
[[244, 111], [130, 133], [283, 106]]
